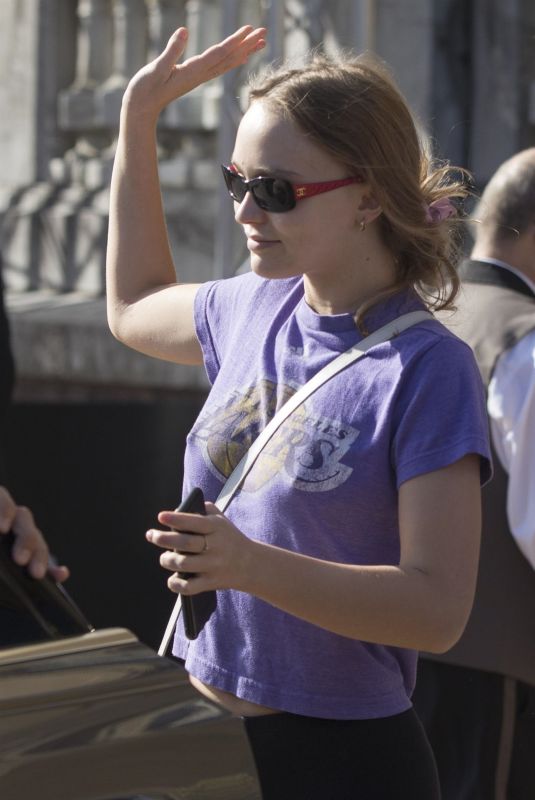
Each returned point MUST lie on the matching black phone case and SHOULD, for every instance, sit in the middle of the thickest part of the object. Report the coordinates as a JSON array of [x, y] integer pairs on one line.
[[196, 609]]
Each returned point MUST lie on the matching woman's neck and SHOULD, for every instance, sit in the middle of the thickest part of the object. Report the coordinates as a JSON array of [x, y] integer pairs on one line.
[[346, 290]]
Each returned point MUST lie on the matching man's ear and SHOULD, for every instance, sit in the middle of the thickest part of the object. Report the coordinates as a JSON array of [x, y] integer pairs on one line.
[[369, 208], [529, 260]]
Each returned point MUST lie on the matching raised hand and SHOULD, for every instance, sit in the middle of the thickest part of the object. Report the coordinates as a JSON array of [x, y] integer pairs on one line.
[[163, 80]]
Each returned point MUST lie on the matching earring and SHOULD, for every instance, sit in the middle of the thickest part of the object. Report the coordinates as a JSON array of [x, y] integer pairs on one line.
[[363, 225]]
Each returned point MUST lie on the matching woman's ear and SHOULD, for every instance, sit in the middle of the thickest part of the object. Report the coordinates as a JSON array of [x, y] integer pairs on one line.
[[369, 209]]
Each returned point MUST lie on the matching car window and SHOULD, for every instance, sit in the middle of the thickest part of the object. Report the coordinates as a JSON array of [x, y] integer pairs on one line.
[[32, 610], [17, 627]]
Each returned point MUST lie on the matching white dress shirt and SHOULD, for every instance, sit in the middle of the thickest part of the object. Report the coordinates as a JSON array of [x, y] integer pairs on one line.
[[511, 407]]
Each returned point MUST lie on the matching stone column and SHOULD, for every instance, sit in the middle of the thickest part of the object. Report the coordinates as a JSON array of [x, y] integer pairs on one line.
[[129, 54], [93, 65], [36, 51], [451, 101], [504, 69], [36, 43], [404, 38], [19, 89], [199, 110]]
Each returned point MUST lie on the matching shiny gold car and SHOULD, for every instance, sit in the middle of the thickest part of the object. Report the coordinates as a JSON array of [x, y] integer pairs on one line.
[[95, 714]]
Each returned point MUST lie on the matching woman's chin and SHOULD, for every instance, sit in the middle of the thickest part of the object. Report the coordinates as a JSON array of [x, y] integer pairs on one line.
[[267, 268]]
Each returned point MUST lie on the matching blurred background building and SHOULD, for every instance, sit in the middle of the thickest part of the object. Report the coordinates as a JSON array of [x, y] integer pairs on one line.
[[97, 432]]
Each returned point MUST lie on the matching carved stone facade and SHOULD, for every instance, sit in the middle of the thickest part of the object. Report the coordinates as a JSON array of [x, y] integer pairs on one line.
[[466, 68]]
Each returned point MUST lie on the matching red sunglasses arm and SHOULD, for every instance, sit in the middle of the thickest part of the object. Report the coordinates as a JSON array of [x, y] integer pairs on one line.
[[310, 189]]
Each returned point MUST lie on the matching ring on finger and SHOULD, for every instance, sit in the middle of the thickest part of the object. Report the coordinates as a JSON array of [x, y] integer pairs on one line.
[[205, 545]]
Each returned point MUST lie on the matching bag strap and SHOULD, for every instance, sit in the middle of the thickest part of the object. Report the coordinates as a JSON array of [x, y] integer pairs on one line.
[[335, 366], [240, 472]]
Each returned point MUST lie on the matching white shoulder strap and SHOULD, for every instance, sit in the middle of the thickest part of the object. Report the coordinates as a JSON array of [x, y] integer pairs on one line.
[[339, 363]]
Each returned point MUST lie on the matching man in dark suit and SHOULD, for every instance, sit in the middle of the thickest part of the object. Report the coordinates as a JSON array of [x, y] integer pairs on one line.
[[30, 548], [477, 701]]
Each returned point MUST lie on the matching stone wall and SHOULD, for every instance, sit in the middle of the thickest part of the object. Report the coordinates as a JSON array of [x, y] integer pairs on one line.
[[65, 64]]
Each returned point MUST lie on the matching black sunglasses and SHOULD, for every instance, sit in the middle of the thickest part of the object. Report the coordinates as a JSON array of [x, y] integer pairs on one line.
[[276, 194]]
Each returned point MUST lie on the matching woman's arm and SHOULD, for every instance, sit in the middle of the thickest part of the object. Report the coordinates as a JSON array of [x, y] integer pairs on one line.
[[147, 308], [421, 604]]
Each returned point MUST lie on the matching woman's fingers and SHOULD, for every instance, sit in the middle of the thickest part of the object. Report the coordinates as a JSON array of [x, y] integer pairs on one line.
[[195, 561], [164, 80], [182, 562], [199, 570], [175, 540], [184, 521], [184, 525], [235, 49], [174, 49], [216, 60], [210, 547]]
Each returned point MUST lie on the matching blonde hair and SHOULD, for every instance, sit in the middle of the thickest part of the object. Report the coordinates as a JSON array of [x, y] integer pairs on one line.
[[352, 108]]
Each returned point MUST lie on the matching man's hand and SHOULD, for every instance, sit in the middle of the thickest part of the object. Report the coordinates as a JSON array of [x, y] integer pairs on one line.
[[30, 549]]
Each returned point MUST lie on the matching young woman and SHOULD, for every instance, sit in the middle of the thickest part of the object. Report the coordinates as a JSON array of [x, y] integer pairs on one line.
[[354, 541]]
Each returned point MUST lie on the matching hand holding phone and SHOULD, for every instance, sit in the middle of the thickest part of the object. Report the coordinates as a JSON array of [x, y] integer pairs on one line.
[[197, 609]]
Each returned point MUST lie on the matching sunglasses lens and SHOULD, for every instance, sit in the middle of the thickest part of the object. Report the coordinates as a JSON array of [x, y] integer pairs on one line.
[[274, 194], [270, 194], [235, 184]]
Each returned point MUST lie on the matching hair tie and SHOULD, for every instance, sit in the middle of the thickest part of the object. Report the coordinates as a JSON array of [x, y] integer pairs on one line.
[[440, 210]]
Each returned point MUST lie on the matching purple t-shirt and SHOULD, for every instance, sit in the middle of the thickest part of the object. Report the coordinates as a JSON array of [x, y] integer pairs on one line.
[[327, 483]]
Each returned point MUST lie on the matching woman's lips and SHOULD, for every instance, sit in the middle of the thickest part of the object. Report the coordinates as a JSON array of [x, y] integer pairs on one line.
[[254, 244]]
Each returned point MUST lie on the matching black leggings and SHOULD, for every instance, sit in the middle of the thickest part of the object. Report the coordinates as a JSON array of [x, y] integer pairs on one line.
[[306, 758]]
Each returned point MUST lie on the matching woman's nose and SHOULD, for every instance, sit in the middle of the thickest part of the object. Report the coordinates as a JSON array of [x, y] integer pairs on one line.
[[248, 211]]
